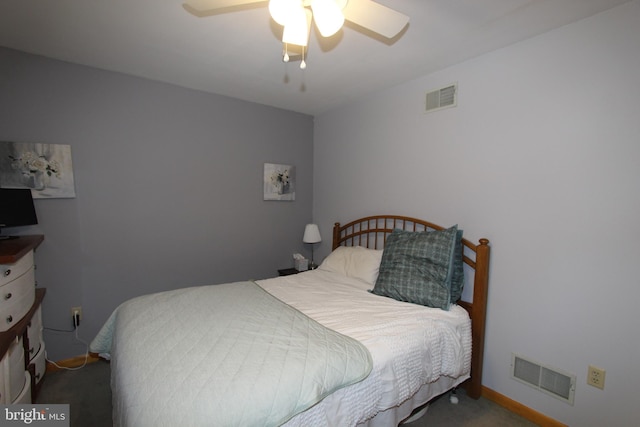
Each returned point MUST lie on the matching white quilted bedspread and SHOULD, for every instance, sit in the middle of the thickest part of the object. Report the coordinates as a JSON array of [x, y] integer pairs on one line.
[[223, 355], [410, 345]]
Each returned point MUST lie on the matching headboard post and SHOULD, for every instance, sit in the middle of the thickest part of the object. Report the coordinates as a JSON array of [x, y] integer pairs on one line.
[[336, 235], [478, 317]]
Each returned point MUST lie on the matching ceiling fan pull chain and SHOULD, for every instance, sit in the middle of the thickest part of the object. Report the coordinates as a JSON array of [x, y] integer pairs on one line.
[[303, 64], [285, 56]]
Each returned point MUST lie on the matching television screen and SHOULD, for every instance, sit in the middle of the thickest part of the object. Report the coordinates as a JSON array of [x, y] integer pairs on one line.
[[16, 207]]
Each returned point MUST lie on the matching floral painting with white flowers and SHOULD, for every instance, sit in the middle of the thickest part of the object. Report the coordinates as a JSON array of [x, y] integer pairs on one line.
[[279, 182], [44, 168]]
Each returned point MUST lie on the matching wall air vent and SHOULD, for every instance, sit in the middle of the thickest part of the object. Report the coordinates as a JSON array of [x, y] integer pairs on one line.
[[445, 97], [548, 380]]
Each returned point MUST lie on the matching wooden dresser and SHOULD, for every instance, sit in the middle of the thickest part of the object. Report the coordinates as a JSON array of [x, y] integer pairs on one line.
[[22, 351]]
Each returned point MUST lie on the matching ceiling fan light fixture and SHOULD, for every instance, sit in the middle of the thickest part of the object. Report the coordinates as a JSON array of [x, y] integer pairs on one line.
[[281, 10], [296, 30], [328, 16], [341, 3], [295, 17]]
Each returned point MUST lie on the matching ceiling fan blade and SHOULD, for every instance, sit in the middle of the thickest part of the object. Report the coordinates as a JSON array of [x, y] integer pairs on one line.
[[375, 17], [209, 5]]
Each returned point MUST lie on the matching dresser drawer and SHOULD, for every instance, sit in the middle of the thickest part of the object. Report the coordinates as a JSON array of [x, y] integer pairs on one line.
[[9, 272], [16, 298], [40, 364], [34, 332]]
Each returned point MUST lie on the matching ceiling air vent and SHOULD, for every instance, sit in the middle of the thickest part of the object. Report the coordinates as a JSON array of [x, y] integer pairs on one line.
[[548, 380], [442, 98]]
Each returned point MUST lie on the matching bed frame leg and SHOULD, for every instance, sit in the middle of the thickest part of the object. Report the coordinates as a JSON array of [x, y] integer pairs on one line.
[[453, 397]]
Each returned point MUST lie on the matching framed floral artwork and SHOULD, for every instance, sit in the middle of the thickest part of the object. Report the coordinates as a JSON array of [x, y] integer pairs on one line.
[[279, 182], [44, 168]]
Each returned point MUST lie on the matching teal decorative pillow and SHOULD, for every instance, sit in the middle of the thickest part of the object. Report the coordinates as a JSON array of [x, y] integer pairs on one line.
[[417, 267], [457, 278]]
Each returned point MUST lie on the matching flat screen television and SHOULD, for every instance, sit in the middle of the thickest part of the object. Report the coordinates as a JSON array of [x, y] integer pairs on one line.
[[16, 208]]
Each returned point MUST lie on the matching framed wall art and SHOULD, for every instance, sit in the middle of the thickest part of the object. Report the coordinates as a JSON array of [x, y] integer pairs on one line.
[[279, 182], [44, 168]]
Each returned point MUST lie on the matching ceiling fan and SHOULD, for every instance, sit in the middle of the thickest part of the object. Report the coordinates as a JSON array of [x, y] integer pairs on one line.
[[329, 15]]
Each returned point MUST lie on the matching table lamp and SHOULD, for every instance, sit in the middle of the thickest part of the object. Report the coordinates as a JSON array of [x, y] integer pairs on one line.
[[311, 236]]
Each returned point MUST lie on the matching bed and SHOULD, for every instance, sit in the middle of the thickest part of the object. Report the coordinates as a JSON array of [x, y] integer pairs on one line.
[[320, 348]]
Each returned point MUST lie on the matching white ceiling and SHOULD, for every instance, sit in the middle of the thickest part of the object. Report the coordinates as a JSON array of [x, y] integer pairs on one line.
[[239, 54]]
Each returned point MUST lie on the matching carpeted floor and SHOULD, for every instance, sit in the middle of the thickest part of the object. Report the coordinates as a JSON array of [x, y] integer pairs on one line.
[[88, 392]]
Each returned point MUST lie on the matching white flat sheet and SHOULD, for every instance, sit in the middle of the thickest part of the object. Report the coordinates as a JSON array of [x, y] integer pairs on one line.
[[410, 345]]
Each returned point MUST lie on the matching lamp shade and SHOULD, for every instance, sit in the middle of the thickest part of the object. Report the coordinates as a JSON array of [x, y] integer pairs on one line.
[[280, 10], [311, 234], [297, 27], [328, 16]]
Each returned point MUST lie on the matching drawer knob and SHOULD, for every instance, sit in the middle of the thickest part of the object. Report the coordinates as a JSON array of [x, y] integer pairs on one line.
[[7, 272], [9, 318], [7, 296]]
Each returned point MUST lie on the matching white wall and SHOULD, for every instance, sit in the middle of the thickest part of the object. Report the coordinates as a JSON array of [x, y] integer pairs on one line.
[[541, 156]]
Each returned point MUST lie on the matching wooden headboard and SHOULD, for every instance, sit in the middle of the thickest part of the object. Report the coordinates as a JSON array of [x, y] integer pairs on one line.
[[371, 232]]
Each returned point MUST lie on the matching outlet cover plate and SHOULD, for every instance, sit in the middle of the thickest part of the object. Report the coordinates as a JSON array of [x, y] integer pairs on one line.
[[595, 377]]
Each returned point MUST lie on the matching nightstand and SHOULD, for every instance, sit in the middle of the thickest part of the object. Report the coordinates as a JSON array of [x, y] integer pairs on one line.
[[287, 271]]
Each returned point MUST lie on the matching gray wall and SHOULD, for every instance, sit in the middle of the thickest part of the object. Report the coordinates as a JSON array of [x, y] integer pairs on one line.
[[168, 184], [541, 156]]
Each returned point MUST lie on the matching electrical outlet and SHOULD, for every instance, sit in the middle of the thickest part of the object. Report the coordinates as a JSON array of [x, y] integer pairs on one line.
[[76, 315], [595, 377]]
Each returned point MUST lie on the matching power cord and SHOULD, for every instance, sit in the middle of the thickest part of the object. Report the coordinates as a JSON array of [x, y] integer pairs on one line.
[[76, 326]]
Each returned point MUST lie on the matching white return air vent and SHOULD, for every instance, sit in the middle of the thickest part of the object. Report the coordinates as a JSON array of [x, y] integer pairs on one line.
[[548, 380], [445, 97]]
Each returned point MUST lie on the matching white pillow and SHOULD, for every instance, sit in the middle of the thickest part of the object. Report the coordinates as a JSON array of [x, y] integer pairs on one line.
[[354, 261]]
